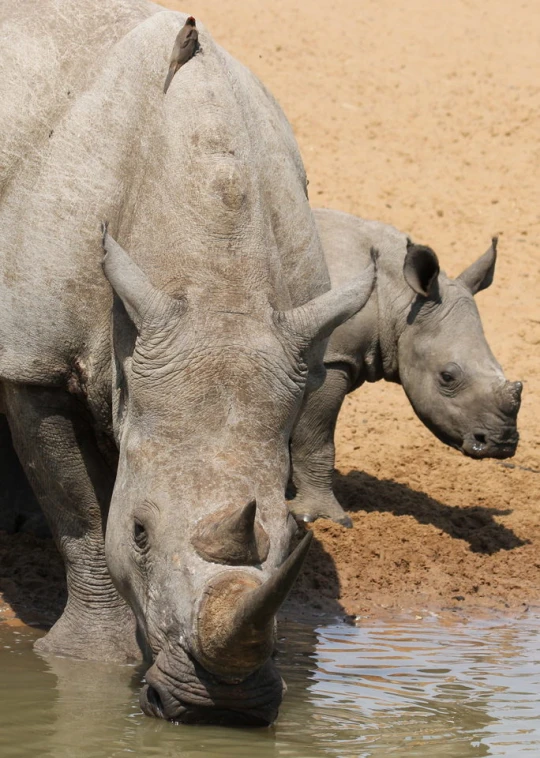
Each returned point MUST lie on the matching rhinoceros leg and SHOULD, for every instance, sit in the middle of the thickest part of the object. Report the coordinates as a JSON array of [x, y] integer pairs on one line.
[[73, 484], [313, 451]]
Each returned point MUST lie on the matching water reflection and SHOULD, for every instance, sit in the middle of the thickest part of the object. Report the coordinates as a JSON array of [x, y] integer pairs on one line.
[[416, 689]]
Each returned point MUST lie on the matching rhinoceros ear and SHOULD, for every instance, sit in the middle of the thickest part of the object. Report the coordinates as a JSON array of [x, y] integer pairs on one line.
[[139, 297], [479, 275], [317, 319], [421, 269]]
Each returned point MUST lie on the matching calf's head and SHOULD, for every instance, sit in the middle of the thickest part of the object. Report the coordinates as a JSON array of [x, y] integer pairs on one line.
[[446, 367], [198, 540]]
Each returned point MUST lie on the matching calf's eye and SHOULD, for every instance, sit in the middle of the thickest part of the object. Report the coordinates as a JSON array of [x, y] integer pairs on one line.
[[450, 376]]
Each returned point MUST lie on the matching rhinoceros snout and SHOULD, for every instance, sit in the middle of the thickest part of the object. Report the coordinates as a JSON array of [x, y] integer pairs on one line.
[[179, 689], [483, 444]]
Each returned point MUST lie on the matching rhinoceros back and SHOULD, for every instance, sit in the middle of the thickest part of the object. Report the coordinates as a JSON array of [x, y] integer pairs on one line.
[[204, 187]]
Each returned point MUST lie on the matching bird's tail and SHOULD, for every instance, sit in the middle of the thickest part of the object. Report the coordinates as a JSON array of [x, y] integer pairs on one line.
[[168, 80]]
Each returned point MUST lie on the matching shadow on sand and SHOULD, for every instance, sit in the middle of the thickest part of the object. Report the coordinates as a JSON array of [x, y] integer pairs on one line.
[[475, 524], [32, 579]]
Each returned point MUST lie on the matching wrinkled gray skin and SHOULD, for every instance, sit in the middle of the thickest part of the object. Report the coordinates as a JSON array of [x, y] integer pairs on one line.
[[154, 428], [420, 329]]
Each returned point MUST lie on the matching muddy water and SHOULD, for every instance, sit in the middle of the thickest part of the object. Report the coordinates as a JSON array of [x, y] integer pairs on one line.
[[419, 688]]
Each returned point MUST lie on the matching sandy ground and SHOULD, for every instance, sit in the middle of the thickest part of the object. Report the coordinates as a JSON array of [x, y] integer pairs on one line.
[[424, 115]]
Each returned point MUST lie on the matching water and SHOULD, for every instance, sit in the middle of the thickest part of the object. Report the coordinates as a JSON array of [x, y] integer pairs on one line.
[[420, 688]]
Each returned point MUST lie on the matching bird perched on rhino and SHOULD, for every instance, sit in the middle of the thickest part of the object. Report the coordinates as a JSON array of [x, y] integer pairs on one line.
[[185, 47]]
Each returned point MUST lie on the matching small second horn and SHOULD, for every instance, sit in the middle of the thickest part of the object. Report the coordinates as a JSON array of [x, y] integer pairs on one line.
[[232, 536]]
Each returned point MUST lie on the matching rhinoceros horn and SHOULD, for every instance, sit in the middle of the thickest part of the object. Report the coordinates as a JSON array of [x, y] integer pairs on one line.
[[237, 617], [232, 536], [317, 319], [140, 298], [511, 396]]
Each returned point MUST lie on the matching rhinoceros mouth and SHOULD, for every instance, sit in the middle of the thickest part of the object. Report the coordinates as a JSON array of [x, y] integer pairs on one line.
[[180, 690], [185, 713]]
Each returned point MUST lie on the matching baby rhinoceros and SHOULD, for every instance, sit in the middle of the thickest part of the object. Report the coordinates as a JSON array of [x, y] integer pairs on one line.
[[420, 329]]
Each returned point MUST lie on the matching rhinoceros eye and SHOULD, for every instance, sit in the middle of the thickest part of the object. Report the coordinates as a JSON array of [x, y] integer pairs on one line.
[[139, 535], [450, 375]]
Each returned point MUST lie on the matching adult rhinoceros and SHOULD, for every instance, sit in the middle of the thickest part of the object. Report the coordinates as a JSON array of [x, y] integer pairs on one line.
[[421, 329], [158, 425]]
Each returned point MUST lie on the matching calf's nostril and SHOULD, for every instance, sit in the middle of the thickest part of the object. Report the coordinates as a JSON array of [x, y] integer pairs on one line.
[[481, 438]]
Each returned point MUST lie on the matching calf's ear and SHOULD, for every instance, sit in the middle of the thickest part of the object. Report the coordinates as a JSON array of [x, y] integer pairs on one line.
[[421, 269], [317, 319], [479, 275]]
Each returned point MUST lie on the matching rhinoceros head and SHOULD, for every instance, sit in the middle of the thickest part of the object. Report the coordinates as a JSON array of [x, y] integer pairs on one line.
[[199, 539], [446, 367]]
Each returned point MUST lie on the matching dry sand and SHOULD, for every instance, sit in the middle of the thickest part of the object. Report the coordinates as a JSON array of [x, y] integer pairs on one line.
[[424, 115]]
